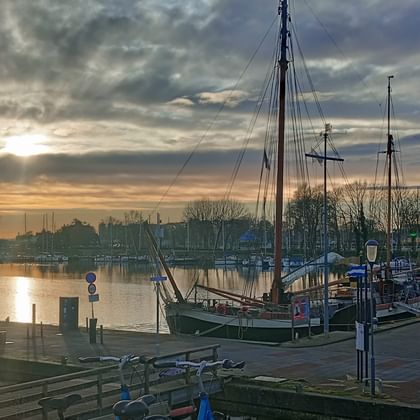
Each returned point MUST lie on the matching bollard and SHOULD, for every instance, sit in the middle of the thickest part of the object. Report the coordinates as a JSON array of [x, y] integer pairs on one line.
[[92, 330], [27, 332], [33, 321], [41, 330], [2, 341], [101, 333], [87, 324]]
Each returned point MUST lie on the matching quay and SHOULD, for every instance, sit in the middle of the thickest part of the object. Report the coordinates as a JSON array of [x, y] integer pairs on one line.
[[323, 365]]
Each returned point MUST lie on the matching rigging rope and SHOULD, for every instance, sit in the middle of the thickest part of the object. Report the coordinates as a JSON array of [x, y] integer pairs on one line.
[[213, 121]]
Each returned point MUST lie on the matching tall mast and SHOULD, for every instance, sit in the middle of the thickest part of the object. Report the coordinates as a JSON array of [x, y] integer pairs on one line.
[[277, 287], [389, 151]]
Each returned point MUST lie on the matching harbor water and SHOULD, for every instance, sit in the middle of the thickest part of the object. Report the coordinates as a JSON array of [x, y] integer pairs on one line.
[[127, 298]]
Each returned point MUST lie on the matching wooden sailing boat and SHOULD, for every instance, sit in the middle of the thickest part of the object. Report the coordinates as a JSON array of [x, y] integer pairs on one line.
[[274, 317]]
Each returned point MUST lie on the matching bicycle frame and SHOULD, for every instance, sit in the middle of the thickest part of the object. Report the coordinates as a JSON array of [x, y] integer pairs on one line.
[[122, 362], [205, 412]]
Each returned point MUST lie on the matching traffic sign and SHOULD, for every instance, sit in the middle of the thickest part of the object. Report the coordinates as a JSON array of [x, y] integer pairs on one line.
[[93, 298], [90, 277], [158, 279], [91, 289]]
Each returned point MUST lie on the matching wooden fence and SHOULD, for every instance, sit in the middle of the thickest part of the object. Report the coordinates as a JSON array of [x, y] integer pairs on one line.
[[99, 387]]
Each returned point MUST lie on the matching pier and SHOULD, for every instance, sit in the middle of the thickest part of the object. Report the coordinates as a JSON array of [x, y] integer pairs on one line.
[[319, 365]]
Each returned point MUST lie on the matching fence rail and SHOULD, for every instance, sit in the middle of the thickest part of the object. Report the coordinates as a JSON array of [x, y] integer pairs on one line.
[[99, 387]]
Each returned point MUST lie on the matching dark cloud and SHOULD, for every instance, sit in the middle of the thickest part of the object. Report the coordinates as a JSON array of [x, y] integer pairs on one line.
[[129, 75], [112, 167]]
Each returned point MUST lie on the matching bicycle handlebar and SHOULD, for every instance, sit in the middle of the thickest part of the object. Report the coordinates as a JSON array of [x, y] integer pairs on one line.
[[204, 364], [129, 358]]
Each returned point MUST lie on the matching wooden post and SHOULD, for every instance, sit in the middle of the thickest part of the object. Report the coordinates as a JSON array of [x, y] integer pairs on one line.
[[187, 370], [292, 308], [44, 394], [146, 377], [99, 399], [33, 320], [215, 354], [309, 317]]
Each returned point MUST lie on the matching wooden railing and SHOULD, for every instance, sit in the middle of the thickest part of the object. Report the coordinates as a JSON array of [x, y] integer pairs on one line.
[[21, 400]]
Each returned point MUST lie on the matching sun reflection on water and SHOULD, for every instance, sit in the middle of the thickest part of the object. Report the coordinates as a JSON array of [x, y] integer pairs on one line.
[[22, 301]]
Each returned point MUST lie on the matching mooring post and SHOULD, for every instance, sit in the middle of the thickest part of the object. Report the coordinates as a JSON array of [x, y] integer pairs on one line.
[[101, 333], [33, 320]]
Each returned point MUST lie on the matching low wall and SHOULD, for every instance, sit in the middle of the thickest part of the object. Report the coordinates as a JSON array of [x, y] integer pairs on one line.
[[246, 397], [15, 371]]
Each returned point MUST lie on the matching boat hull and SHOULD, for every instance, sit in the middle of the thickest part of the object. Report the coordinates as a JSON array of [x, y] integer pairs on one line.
[[184, 320], [344, 318]]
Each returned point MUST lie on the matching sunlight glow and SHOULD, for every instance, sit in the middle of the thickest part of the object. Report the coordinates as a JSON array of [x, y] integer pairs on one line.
[[22, 304], [26, 145]]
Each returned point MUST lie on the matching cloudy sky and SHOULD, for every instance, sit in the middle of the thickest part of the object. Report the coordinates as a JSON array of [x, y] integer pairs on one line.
[[102, 102]]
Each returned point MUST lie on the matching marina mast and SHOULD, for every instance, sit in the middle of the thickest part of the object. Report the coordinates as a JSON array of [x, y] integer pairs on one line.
[[277, 287], [389, 151]]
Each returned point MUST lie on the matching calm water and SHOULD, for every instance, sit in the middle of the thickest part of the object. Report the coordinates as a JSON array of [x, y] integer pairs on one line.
[[127, 297]]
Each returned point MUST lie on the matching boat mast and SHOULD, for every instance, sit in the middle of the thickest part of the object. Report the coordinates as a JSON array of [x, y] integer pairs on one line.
[[277, 287], [389, 151]]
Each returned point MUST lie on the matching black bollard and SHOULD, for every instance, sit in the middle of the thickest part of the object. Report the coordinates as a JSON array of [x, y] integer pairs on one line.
[[33, 321], [101, 333], [92, 330]]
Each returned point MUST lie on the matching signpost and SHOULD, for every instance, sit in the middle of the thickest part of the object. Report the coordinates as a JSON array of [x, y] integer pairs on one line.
[[93, 297], [157, 280]]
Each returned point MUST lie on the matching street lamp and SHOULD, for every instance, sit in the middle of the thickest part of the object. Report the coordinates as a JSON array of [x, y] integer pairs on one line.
[[371, 253], [157, 280]]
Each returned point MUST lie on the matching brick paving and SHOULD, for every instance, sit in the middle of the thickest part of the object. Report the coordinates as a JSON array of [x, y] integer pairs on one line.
[[397, 354]]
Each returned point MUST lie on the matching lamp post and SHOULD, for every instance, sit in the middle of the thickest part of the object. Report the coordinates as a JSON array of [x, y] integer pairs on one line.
[[157, 280], [371, 252]]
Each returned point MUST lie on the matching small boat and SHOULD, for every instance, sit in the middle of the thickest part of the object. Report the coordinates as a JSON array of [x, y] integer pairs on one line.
[[227, 260]]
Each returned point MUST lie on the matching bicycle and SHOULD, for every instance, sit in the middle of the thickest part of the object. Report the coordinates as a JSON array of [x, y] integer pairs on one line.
[[123, 361], [136, 409], [205, 412], [128, 408]]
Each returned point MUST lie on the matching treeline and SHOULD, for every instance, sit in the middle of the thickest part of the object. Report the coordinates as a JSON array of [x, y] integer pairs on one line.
[[355, 214]]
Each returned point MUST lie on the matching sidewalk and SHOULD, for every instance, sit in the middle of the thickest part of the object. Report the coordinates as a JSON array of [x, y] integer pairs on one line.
[[319, 360]]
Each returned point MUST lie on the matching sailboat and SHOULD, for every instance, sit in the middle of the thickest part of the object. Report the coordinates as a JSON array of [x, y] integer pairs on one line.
[[396, 288], [277, 316]]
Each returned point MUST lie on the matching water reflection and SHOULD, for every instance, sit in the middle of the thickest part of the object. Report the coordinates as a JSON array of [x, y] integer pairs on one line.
[[23, 307], [127, 298]]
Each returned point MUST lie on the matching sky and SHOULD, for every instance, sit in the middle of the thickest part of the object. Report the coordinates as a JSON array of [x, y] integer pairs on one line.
[[103, 102]]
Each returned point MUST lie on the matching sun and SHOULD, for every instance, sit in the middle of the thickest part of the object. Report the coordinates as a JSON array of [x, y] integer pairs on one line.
[[26, 145]]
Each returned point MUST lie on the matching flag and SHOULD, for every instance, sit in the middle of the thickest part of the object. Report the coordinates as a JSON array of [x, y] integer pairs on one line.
[[357, 271], [266, 161]]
